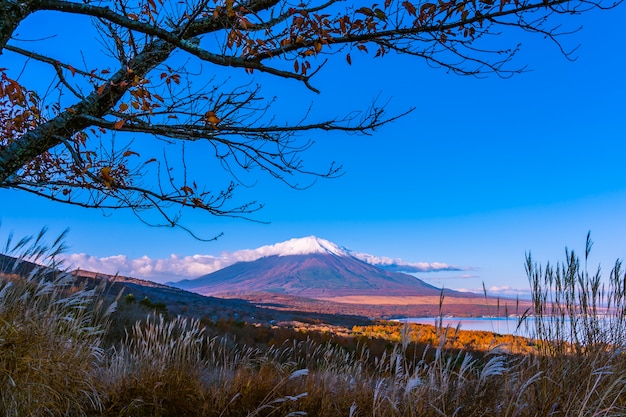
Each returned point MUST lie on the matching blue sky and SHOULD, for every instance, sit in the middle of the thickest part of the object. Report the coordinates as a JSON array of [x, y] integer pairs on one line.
[[482, 171]]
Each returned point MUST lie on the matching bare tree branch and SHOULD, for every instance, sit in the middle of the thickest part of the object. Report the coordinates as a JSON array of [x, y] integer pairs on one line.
[[76, 146]]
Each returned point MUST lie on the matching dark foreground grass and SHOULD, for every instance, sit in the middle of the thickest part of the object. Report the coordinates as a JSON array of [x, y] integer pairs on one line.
[[53, 361]]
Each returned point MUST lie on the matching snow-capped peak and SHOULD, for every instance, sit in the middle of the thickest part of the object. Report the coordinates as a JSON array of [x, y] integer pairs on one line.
[[302, 246]]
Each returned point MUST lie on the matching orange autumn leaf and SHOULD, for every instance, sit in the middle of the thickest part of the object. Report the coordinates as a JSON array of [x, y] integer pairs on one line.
[[107, 179], [212, 118]]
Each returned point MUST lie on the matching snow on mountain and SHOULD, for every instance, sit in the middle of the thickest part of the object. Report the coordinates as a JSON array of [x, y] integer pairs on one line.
[[312, 245], [301, 246]]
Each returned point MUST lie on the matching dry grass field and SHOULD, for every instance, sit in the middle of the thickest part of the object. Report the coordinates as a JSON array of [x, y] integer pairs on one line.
[[57, 357]]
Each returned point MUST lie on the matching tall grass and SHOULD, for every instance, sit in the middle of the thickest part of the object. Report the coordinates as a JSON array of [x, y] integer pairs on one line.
[[574, 309], [580, 330], [50, 333], [53, 361]]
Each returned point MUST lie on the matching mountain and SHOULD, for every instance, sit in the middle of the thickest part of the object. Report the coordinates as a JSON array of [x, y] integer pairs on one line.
[[179, 302], [333, 270], [309, 267]]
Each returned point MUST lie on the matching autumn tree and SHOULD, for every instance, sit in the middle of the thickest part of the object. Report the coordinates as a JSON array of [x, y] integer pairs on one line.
[[72, 136]]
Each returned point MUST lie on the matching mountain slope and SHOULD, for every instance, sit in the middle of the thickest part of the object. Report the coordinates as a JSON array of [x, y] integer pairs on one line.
[[309, 267]]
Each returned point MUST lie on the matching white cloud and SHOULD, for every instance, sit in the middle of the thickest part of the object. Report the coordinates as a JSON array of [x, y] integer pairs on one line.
[[501, 291], [165, 269], [177, 267], [506, 290], [438, 278], [397, 264]]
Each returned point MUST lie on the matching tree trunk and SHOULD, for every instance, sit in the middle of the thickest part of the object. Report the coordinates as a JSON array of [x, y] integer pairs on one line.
[[11, 15]]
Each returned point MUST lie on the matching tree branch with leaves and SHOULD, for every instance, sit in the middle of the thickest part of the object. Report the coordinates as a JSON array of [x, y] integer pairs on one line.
[[74, 141]]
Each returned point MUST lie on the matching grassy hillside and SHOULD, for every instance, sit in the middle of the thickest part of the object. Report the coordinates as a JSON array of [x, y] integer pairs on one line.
[[62, 353]]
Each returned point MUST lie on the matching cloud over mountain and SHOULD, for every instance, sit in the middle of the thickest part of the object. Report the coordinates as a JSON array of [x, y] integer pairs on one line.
[[397, 264], [157, 269], [178, 267]]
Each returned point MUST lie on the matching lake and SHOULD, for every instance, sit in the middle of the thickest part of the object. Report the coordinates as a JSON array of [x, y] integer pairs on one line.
[[501, 325], [508, 325]]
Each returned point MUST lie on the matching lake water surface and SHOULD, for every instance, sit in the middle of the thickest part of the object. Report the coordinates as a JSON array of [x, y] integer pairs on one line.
[[511, 325], [501, 325]]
